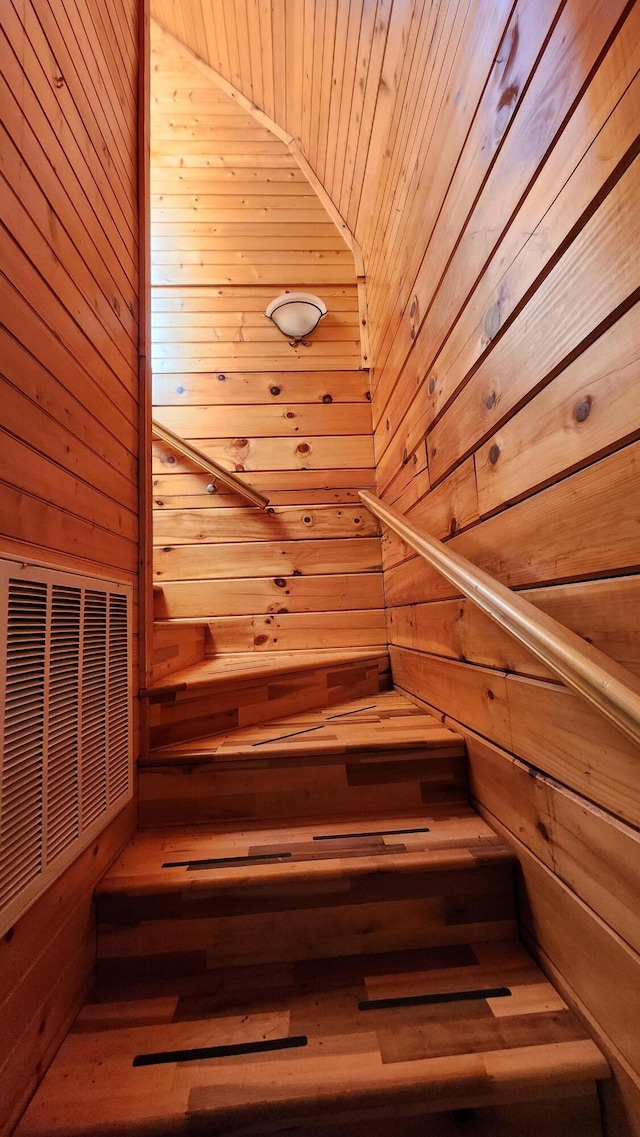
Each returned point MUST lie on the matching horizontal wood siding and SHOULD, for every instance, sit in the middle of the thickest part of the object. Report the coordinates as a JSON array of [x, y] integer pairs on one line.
[[69, 353], [234, 223]]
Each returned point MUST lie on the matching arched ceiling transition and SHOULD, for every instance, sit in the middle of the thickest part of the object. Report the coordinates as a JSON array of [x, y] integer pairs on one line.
[[323, 70]]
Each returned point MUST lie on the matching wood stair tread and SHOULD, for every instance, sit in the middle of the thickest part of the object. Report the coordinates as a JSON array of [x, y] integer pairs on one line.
[[445, 838], [466, 1052], [373, 723], [248, 666]]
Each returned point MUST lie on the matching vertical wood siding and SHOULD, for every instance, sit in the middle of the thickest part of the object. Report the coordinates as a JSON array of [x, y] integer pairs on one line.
[[234, 223], [68, 407]]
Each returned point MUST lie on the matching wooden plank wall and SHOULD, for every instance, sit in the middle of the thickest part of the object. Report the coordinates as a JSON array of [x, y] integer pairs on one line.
[[505, 335], [69, 409], [485, 157], [324, 70], [234, 223]]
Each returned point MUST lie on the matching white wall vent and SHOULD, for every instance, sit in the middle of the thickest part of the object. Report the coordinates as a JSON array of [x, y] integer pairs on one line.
[[66, 740]]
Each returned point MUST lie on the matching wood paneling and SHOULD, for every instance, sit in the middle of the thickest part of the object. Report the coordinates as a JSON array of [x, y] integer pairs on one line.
[[234, 222], [69, 362], [492, 184]]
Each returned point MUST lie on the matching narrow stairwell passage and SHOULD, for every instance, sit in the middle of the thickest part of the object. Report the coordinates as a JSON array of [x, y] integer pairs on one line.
[[347, 965]]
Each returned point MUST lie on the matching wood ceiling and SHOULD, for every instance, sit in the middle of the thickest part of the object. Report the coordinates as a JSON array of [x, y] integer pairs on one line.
[[324, 70]]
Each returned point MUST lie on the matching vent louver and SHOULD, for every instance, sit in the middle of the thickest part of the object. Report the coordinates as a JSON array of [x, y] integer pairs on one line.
[[65, 695]]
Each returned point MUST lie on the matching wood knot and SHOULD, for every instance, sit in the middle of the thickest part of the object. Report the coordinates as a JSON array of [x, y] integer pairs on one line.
[[414, 307], [280, 582], [290, 414], [274, 390], [327, 398], [494, 453], [490, 695], [492, 322], [241, 443], [303, 448], [239, 468], [180, 390], [582, 409], [490, 401], [261, 639], [222, 378], [541, 827], [432, 385]]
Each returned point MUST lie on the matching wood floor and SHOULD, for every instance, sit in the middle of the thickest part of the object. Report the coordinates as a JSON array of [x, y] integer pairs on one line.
[[335, 973]]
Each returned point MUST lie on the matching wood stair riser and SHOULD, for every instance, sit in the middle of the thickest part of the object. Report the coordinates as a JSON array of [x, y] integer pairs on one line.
[[191, 932], [176, 646], [197, 710], [318, 786]]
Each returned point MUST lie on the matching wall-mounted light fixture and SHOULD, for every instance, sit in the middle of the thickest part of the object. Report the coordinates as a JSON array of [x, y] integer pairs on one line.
[[296, 314]]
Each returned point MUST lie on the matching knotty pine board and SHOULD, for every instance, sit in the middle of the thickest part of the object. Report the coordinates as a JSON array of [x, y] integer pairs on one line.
[[266, 558], [584, 846], [289, 419], [277, 453], [69, 390], [584, 526], [294, 419], [294, 631], [270, 388], [543, 723], [555, 203], [187, 491], [592, 407], [263, 595], [605, 612], [47, 969], [289, 523], [501, 384]]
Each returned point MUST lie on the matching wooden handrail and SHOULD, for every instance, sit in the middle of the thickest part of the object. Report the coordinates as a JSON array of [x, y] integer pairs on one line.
[[608, 686], [208, 464]]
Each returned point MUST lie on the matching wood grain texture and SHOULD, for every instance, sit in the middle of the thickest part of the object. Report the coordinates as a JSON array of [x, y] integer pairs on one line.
[[543, 723], [367, 755], [209, 937], [234, 222], [515, 1059], [450, 885], [236, 690], [69, 388]]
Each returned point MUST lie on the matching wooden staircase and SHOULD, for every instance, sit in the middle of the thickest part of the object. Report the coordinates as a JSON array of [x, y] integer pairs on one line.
[[313, 933]]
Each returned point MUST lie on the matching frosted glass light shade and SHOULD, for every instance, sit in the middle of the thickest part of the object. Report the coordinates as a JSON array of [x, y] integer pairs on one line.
[[296, 314]]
